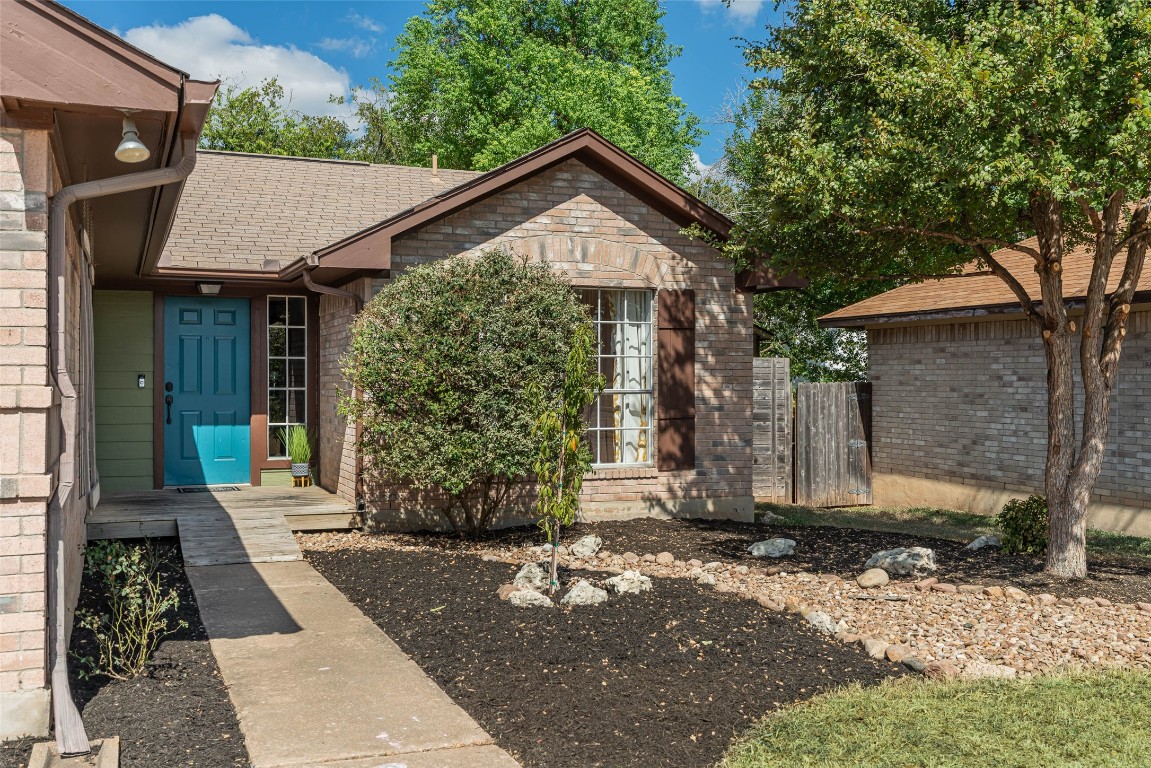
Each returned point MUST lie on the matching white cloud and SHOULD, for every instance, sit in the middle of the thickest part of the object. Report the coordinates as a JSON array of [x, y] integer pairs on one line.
[[208, 47], [698, 167], [356, 46], [742, 11], [366, 22]]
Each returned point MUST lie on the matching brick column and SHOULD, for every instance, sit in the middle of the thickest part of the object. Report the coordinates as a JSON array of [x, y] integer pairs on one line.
[[27, 409]]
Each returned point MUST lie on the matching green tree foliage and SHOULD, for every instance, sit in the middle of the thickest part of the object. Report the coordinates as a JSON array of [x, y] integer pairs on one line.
[[912, 137], [257, 119], [481, 82], [789, 320], [446, 357], [564, 455]]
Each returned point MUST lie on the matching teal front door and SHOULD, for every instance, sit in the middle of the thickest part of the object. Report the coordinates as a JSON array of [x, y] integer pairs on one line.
[[206, 390]]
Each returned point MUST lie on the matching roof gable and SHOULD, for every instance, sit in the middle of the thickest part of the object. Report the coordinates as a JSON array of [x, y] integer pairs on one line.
[[370, 249]]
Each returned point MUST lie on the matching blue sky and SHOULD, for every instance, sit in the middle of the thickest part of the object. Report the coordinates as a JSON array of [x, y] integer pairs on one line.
[[320, 47]]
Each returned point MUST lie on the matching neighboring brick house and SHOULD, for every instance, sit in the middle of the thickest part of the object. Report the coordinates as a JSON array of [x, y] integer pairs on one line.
[[198, 318], [959, 381]]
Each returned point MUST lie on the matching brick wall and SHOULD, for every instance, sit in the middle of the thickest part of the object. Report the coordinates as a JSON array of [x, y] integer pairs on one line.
[[28, 445], [601, 236], [965, 404]]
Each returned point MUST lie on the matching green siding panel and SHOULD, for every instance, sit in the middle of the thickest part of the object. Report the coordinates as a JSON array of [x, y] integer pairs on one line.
[[123, 331], [276, 477]]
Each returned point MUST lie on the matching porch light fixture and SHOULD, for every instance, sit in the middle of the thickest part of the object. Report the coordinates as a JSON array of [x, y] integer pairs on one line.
[[131, 150], [209, 289]]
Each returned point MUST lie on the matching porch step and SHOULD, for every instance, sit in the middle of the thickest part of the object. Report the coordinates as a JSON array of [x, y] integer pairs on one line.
[[227, 537]]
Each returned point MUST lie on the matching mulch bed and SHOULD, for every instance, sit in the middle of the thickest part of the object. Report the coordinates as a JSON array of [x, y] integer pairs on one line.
[[841, 551], [664, 678], [176, 714]]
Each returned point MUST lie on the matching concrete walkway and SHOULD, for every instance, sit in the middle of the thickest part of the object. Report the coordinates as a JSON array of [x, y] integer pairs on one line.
[[316, 683]]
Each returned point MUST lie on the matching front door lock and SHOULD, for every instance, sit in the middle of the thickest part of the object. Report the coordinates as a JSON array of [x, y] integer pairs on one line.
[[168, 402]]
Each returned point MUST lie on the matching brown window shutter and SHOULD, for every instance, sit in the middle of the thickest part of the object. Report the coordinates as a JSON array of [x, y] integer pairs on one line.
[[675, 397]]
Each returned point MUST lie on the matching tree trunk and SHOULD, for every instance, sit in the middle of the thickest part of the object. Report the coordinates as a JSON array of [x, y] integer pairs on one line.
[[553, 580]]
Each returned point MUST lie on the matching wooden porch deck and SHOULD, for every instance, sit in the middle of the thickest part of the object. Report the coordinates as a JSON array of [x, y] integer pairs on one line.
[[131, 514]]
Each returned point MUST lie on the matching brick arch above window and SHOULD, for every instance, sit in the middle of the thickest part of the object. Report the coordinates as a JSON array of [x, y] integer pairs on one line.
[[624, 264]]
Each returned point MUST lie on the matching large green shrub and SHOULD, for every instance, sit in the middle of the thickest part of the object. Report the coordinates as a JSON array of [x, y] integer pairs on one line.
[[133, 617], [1023, 525], [446, 357]]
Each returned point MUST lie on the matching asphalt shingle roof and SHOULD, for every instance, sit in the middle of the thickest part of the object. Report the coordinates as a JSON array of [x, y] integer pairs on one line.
[[978, 291], [238, 210]]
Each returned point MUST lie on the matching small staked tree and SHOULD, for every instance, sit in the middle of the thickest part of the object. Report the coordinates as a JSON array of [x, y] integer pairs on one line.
[[561, 429], [908, 138], [445, 357]]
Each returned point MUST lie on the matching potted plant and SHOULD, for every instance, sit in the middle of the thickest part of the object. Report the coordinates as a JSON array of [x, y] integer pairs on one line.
[[299, 448]]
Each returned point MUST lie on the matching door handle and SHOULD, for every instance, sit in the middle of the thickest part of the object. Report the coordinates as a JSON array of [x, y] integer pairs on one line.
[[168, 402]]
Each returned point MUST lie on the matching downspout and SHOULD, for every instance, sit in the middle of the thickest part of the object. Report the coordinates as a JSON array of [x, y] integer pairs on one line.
[[70, 736], [358, 303]]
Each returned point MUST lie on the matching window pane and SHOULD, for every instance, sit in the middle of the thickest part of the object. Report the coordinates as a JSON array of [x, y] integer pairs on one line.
[[277, 406], [607, 446], [297, 305], [277, 310], [277, 342], [297, 339], [610, 305], [296, 372], [275, 442], [296, 406], [277, 372]]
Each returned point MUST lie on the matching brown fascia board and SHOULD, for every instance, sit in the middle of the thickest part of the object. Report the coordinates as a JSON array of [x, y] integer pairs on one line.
[[764, 279], [103, 70], [952, 313], [370, 249]]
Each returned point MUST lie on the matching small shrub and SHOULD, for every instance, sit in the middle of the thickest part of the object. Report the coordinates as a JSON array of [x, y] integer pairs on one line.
[[133, 619], [1023, 524]]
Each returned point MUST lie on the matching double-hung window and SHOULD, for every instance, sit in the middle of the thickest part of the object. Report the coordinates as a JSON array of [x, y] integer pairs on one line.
[[620, 423], [287, 368]]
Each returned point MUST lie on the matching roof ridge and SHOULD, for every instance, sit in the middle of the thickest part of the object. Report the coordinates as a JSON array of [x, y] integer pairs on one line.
[[333, 160]]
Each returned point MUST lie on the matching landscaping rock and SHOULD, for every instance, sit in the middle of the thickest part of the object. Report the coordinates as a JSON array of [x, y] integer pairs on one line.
[[586, 546], [822, 622], [876, 649], [529, 598], [1015, 593], [631, 558], [915, 664], [772, 548], [970, 589], [695, 563], [1046, 599], [983, 669], [584, 593], [506, 590], [665, 558], [715, 565], [648, 558], [984, 541], [629, 583], [532, 576], [705, 579], [993, 591], [950, 589], [940, 670], [897, 653], [904, 561], [873, 577], [1145, 607]]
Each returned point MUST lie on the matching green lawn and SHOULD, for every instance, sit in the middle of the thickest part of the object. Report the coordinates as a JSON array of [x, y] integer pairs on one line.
[[1099, 719], [940, 523]]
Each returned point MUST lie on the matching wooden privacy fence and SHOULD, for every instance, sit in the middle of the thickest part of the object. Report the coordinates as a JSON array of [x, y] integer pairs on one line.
[[814, 447]]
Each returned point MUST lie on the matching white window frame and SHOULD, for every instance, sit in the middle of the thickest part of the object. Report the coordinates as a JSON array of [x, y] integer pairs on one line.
[[272, 426], [646, 433]]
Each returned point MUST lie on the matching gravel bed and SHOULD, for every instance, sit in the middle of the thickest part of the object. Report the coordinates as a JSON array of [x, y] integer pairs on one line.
[[663, 678], [968, 623], [176, 714]]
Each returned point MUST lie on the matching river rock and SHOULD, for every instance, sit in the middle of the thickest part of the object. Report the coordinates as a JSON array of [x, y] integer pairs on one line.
[[984, 541], [872, 577], [904, 561], [665, 558], [772, 548], [822, 622]]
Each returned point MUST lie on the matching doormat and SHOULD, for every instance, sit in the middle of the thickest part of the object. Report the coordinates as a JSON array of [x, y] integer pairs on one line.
[[205, 489]]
